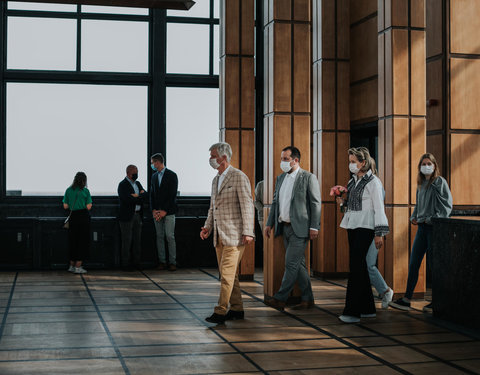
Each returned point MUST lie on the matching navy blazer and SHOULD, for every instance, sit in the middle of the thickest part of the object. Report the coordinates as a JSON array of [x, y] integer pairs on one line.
[[164, 197], [127, 202]]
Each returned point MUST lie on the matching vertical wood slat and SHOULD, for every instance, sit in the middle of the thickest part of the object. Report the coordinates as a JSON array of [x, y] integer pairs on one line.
[[237, 95], [402, 126]]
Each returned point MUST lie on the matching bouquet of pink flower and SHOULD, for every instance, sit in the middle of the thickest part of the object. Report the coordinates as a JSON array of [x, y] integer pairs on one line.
[[337, 191]]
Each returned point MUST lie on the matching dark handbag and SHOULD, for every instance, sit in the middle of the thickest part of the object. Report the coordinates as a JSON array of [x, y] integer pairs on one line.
[[66, 223]]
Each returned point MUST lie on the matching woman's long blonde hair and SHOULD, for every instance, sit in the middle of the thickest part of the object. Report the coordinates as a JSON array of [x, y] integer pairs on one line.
[[435, 174], [362, 154]]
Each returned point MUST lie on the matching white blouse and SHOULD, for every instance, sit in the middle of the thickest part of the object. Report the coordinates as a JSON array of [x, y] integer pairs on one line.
[[364, 204]]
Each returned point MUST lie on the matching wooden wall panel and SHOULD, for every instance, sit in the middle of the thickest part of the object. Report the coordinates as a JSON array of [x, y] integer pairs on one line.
[[396, 13], [364, 100], [434, 27], [343, 95], [465, 93], [282, 9], [465, 150], [417, 148], [464, 26], [400, 244], [247, 146], [301, 10], [268, 159], [362, 8], [388, 163], [301, 68], [342, 245], [324, 246], [327, 29], [435, 92], [417, 13], [232, 90], [343, 29], [247, 27], [400, 72], [343, 144], [328, 162], [364, 50], [327, 95], [232, 137], [418, 74], [232, 29], [401, 157], [302, 134], [436, 147], [282, 132], [247, 112], [381, 76], [282, 73]]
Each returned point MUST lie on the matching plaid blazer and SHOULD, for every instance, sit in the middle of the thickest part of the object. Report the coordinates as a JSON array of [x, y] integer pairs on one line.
[[231, 213]]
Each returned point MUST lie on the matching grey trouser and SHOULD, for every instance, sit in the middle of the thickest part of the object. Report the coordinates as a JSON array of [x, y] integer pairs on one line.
[[295, 267], [131, 238], [166, 228]]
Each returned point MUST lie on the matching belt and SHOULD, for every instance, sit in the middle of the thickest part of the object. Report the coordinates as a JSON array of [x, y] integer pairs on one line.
[[286, 223]]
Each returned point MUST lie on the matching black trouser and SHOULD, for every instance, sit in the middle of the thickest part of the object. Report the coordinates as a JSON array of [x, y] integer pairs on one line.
[[79, 235], [131, 238], [359, 292]]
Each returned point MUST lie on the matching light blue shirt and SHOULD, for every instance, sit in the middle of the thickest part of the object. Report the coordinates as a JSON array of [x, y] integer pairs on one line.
[[135, 189], [160, 176]]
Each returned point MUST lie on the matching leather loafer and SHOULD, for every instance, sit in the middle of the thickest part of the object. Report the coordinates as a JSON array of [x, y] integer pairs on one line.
[[172, 267], [235, 315], [276, 304], [304, 305], [162, 266], [216, 318]]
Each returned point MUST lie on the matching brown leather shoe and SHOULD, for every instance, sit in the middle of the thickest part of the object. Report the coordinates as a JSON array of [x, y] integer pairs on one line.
[[275, 303], [304, 305], [161, 266], [172, 267]]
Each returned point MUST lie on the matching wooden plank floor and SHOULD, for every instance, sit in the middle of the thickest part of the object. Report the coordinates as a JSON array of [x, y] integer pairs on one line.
[[152, 322]]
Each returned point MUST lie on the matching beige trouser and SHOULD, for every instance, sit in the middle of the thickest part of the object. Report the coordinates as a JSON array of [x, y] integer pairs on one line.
[[229, 258]]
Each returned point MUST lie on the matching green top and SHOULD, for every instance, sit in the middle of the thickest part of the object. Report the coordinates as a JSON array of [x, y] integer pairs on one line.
[[433, 200], [77, 199]]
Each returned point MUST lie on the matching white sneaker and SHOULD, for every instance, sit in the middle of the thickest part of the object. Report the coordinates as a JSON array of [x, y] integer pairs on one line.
[[387, 298], [349, 319], [71, 269], [80, 270], [368, 315]]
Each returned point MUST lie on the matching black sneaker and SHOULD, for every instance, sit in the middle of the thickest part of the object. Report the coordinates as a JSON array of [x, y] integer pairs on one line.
[[428, 308], [216, 318], [400, 304], [235, 315]]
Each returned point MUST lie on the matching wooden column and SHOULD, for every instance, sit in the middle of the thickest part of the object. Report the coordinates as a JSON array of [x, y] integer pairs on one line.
[[287, 107], [331, 125], [237, 95], [401, 126], [453, 93]]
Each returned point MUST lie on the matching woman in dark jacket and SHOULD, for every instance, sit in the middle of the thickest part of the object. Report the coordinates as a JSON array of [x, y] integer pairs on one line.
[[78, 200]]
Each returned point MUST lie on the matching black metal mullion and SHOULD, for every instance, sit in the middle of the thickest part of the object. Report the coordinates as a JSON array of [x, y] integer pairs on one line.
[[211, 41], [74, 15], [79, 40], [3, 100]]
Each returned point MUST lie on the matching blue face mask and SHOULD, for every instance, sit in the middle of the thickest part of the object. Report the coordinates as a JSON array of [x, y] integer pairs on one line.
[[153, 167]]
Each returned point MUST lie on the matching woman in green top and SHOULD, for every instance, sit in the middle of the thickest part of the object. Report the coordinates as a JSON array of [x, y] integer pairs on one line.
[[433, 200], [78, 199]]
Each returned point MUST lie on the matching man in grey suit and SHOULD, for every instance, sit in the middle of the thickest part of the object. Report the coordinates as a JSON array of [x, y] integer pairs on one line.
[[295, 214]]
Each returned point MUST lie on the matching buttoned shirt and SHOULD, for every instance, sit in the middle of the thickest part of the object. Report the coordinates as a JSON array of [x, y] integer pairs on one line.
[[285, 196], [221, 177], [135, 189], [160, 176]]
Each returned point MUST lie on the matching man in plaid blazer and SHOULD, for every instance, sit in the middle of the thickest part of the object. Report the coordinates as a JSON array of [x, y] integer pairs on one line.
[[231, 218]]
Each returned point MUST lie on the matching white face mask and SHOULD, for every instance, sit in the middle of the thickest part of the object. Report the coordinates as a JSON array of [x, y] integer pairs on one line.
[[213, 163], [285, 166], [427, 169], [353, 168]]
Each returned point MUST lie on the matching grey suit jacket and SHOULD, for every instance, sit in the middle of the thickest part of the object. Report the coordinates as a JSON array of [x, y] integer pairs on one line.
[[305, 206]]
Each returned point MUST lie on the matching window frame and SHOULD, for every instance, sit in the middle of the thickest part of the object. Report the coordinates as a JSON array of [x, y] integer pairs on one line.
[[156, 80]]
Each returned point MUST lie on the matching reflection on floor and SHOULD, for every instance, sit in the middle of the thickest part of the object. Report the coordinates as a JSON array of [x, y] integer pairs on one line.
[[152, 322]]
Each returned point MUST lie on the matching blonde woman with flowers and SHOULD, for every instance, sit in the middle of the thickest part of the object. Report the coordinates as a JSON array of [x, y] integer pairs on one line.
[[433, 200], [365, 221]]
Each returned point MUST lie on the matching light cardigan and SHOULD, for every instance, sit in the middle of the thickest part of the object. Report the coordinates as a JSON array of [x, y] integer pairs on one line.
[[365, 207], [433, 200]]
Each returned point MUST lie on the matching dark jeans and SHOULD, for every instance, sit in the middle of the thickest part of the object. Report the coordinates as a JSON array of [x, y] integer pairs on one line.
[[131, 239], [79, 235], [359, 298], [421, 245]]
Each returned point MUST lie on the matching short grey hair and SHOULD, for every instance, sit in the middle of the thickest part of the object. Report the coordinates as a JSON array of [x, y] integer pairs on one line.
[[222, 148]]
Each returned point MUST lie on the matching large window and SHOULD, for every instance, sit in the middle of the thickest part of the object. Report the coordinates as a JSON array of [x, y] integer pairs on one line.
[[95, 88]]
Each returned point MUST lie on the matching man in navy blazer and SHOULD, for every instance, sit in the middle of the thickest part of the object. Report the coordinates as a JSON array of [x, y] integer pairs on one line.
[[163, 203], [131, 195]]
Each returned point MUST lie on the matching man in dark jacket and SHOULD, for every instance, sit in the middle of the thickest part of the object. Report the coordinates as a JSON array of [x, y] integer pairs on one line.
[[163, 203], [131, 195]]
